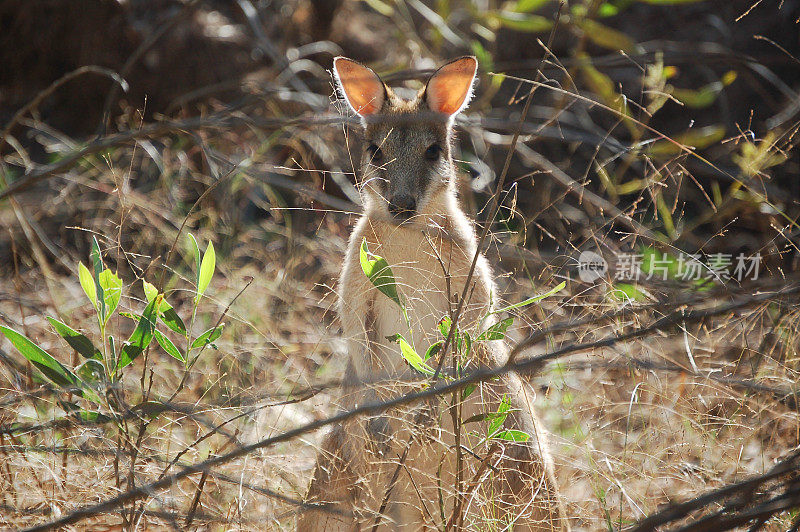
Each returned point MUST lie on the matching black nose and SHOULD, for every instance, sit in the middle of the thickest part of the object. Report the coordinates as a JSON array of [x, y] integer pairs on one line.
[[403, 206]]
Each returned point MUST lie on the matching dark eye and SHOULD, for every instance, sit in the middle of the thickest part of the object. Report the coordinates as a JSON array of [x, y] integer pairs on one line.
[[375, 153], [433, 152]]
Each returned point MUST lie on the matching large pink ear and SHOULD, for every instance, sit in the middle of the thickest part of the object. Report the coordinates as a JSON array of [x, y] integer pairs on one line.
[[450, 88], [362, 88]]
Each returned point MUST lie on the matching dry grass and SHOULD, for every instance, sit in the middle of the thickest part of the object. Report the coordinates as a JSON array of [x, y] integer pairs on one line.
[[626, 440], [635, 425]]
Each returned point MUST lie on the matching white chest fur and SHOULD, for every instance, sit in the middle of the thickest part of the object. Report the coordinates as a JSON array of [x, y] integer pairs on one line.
[[430, 269]]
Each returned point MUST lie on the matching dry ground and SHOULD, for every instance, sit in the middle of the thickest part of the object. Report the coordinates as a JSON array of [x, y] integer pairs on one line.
[[634, 425], [626, 439]]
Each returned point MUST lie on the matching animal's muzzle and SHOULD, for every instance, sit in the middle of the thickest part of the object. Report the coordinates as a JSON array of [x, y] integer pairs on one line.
[[403, 206]]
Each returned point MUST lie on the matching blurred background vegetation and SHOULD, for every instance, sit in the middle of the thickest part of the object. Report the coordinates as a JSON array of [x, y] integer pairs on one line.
[[666, 125], [718, 76]]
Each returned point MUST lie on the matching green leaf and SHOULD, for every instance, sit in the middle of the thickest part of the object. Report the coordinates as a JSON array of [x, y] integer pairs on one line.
[[112, 291], [464, 342], [666, 215], [534, 299], [206, 270], [500, 417], [49, 366], [729, 77], [478, 417], [604, 88], [444, 325], [379, 273], [208, 336], [150, 291], [381, 7], [196, 250], [660, 264], [411, 356], [97, 263], [601, 84], [467, 391], [140, 338], [696, 138], [489, 416], [167, 345], [87, 283], [76, 340], [496, 331], [604, 36], [705, 95], [511, 435], [444, 328], [697, 99], [167, 313], [433, 349], [607, 10], [526, 6], [627, 292], [91, 371], [93, 417], [520, 21], [172, 320], [484, 57]]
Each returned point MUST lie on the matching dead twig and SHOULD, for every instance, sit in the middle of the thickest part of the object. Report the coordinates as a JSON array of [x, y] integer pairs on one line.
[[216, 121], [742, 502]]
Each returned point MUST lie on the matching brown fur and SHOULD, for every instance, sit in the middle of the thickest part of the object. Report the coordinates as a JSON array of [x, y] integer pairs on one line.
[[430, 253]]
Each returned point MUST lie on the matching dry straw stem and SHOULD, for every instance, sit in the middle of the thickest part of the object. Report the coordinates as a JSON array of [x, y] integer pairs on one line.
[[137, 412], [783, 395], [682, 147], [219, 120], [740, 502], [581, 192], [222, 477], [524, 366]]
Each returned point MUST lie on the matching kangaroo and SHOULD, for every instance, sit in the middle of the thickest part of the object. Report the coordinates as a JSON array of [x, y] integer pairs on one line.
[[412, 219]]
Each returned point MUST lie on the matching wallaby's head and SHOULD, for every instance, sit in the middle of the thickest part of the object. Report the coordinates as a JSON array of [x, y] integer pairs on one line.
[[407, 165]]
